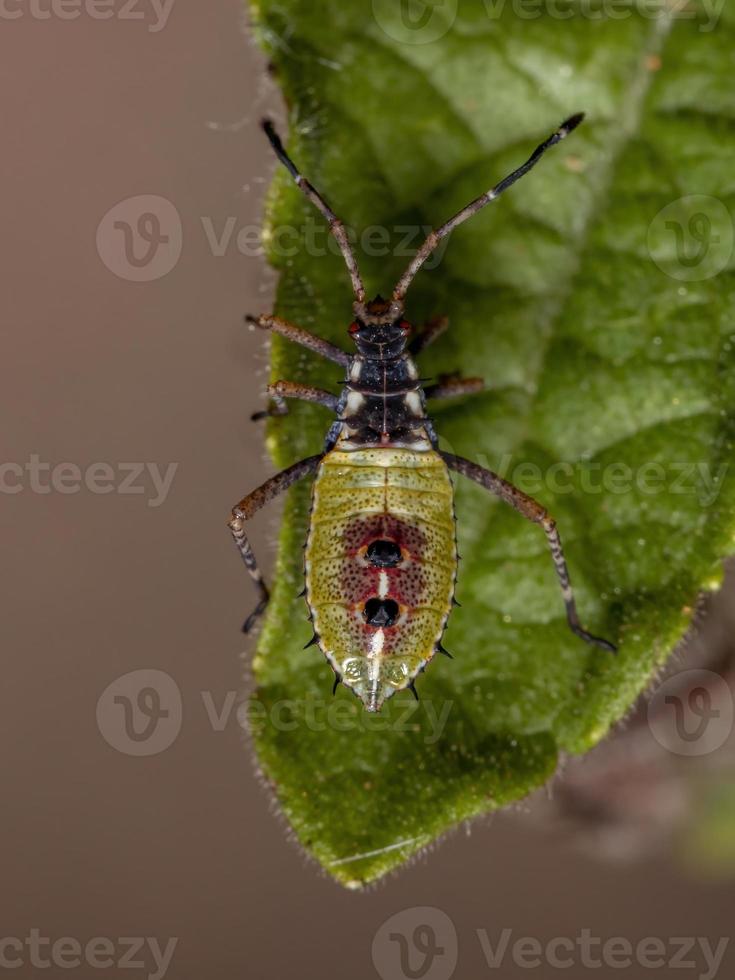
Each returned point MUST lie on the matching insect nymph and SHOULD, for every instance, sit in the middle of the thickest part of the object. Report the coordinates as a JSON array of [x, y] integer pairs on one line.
[[381, 556]]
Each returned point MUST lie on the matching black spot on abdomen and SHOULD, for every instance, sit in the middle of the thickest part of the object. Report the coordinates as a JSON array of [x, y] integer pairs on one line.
[[384, 554], [381, 612]]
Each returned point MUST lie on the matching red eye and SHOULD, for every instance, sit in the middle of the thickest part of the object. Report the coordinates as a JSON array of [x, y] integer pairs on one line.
[[405, 326], [354, 327]]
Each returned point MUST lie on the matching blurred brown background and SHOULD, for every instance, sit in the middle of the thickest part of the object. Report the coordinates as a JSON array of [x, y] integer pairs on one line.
[[100, 369]]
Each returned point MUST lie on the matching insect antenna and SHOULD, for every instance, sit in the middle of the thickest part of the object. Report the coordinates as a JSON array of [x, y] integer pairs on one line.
[[336, 227], [435, 237]]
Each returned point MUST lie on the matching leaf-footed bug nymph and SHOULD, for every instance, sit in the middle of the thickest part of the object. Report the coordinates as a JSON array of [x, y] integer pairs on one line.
[[381, 556]]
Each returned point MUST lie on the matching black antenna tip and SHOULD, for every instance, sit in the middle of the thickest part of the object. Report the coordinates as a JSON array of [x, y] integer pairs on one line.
[[569, 124], [275, 141], [273, 138]]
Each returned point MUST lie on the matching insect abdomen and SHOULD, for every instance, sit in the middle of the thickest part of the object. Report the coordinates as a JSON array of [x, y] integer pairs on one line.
[[380, 565]]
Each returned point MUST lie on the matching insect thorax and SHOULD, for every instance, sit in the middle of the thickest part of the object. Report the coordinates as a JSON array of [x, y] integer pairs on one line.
[[382, 404]]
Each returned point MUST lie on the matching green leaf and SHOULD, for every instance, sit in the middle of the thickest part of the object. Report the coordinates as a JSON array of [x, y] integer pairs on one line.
[[607, 348]]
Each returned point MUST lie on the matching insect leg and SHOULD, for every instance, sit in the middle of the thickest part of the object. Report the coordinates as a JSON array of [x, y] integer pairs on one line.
[[454, 387], [335, 225], [247, 507], [297, 335], [279, 391], [532, 511], [431, 330]]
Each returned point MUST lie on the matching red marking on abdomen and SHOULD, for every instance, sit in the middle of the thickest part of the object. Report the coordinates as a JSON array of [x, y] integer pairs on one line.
[[407, 582], [361, 531]]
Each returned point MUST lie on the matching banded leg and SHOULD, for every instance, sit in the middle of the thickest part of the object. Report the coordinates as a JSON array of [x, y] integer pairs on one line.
[[297, 335], [279, 391], [454, 387], [244, 511], [532, 511], [430, 332]]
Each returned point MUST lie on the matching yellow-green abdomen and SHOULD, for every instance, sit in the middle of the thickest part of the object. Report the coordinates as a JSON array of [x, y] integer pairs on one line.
[[381, 564]]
